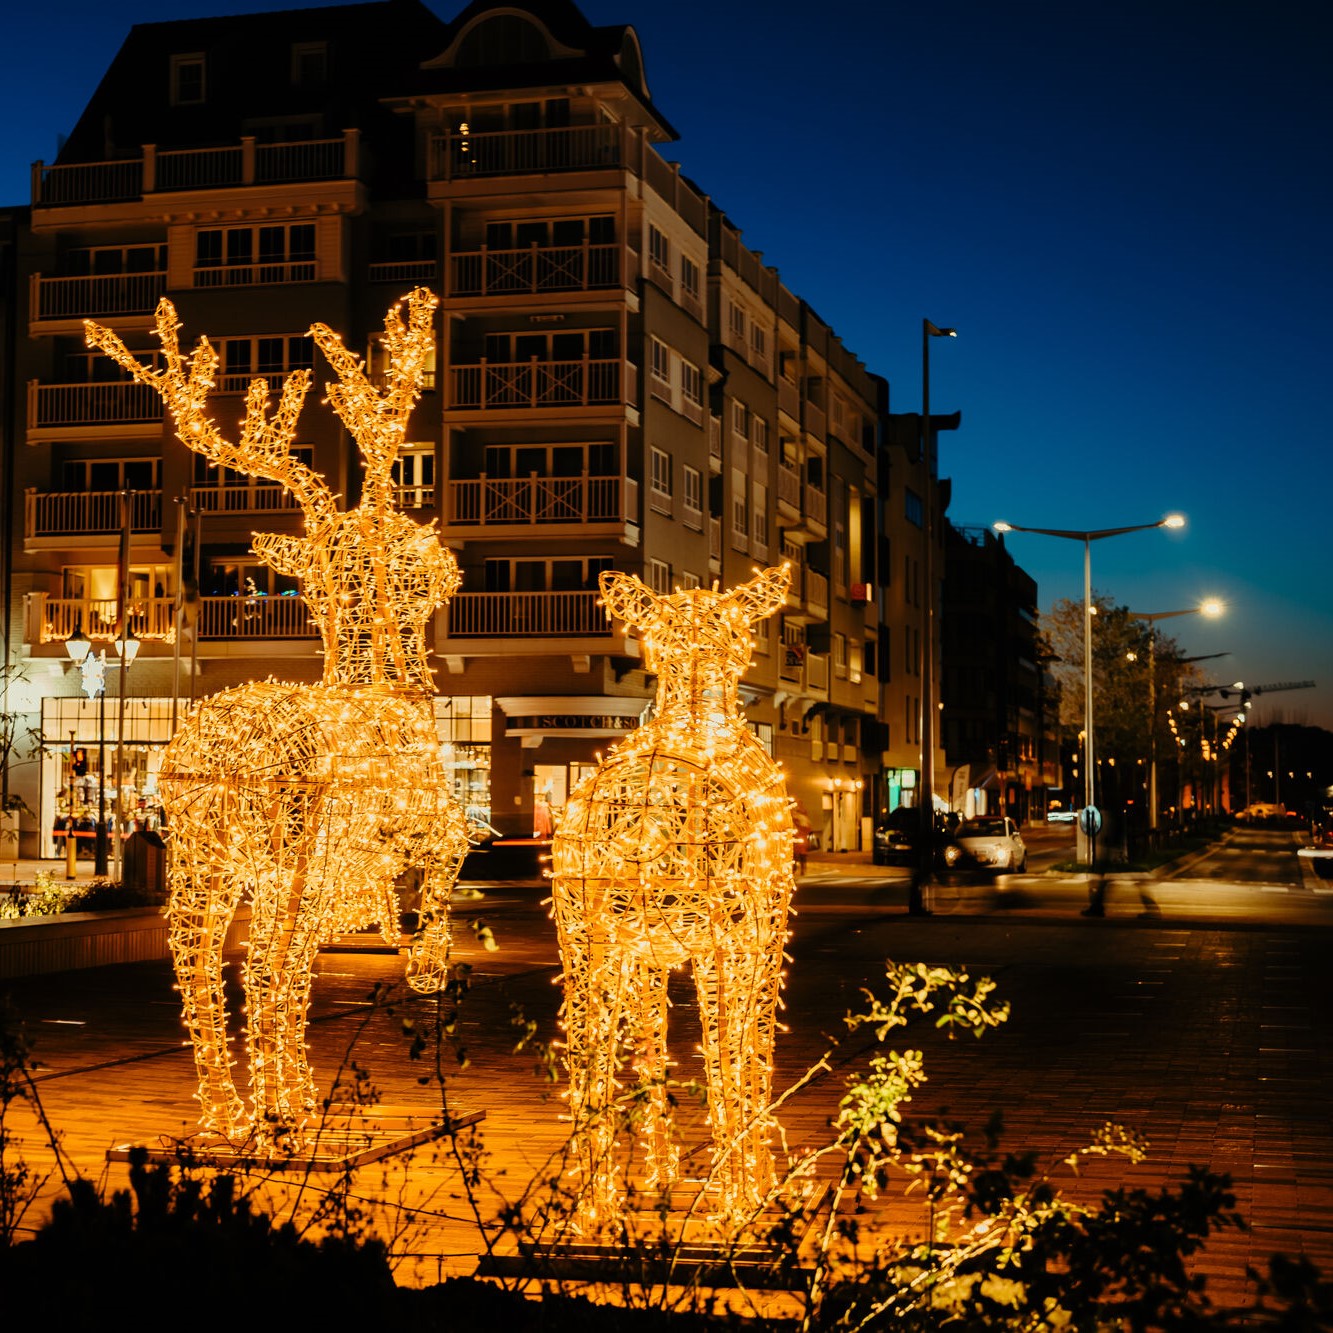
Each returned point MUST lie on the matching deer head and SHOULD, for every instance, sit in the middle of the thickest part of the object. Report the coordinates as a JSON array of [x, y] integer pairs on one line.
[[697, 640], [370, 576]]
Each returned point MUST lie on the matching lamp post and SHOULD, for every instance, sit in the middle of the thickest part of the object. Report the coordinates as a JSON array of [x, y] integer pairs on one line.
[[1212, 608], [916, 904], [1087, 538], [78, 647]]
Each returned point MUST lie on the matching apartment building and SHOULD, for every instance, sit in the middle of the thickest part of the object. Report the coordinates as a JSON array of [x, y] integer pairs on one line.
[[619, 383], [999, 704]]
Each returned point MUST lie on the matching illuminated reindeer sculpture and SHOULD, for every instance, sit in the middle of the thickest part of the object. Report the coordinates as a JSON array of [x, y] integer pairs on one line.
[[308, 801], [677, 850]]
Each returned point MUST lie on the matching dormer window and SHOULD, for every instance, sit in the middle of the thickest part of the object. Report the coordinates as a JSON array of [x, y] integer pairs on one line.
[[310, 64], [187, 79], [505, 39]]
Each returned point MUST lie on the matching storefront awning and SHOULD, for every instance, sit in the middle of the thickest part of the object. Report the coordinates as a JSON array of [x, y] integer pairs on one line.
[[539, 715]]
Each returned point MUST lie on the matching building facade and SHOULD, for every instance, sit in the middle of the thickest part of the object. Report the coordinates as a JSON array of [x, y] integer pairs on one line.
[[619, 383], [999, 709]]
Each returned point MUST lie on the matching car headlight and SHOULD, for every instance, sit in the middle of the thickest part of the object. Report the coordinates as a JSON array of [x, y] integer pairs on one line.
[[952, 854]]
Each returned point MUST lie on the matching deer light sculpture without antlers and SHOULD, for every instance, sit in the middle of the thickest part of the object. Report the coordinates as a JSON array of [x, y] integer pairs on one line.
[[308, 801], [677, 851]]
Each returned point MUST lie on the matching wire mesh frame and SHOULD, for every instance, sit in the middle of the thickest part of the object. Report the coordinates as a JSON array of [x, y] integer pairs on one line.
[[676, 851]]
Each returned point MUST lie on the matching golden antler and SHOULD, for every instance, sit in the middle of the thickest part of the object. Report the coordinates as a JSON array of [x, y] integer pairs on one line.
[[378, 421], [264, 447]]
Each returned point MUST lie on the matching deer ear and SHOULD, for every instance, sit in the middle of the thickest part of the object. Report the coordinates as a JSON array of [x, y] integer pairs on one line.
[[627, 597], [287, 555], [764, 593]]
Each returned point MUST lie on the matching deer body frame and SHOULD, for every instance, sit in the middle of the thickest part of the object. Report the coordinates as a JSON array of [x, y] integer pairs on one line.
[[677, 852], [308, 801]]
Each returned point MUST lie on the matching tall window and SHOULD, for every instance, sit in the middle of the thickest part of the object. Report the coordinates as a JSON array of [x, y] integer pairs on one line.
[[692, 494], [661, 369], [692, 389], [740, 518], [659, 255], [659, 495], [187, 79], [913, 509], [240, 256], [689, 282], [759, 519], [272, 356], [659, 576]]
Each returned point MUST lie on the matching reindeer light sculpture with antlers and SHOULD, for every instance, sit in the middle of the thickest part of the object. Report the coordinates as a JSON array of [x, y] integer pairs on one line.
[[308, 801], [677, 850]]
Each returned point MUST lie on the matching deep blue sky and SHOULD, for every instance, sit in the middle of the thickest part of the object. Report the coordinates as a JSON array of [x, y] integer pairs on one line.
[[1124, 206]]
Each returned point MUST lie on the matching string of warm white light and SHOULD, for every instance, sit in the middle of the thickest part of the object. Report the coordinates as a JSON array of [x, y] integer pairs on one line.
[[677, 850], [308, 801]]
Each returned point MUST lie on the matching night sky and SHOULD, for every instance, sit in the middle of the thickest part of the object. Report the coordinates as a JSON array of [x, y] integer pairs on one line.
[[1125, 207]]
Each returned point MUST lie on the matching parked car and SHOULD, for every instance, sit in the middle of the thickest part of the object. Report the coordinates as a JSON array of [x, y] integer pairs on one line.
[[897, 837], [989, 843]]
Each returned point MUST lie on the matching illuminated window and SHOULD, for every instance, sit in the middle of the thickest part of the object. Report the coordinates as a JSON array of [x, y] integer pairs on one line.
[[855, 660], [241, 256]]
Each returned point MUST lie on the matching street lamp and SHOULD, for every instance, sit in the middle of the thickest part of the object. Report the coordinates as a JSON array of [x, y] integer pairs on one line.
[[1212, 608], [1087, 538], [78, 647], [916, 904]]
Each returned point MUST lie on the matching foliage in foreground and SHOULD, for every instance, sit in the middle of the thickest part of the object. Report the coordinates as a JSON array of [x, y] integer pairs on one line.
[[1001, 1248]]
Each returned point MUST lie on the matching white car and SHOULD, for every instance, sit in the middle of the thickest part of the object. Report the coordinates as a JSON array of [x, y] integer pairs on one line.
[[991, 842]]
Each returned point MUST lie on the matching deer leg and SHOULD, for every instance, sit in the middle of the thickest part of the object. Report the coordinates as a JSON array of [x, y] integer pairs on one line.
[[594, 996], [428, 957], [661, 1154], [753, 982], [201, 908]]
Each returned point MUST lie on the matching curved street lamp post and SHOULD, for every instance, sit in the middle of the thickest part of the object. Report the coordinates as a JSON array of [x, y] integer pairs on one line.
[[1087, 538]]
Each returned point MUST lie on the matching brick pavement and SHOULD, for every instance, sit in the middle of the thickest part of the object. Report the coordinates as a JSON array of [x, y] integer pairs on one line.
[[1211, 1041]]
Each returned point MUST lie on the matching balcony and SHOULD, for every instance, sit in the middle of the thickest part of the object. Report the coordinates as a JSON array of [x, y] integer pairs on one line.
[[501, 505], [110, 403], [409, 272], [526, 272], [155, 172], [458, 156], [52, 299], [242, 498], [715, 444], [523, 385], [789, 488], [534, 615], [256, 274], [51, 620], [816, 594], [55, 518], [816, 509]]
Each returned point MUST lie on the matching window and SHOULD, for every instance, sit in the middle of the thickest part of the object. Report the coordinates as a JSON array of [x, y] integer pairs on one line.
[[659, 495], [855, 660], [689, 282], [759, 524], [111, 474], [759, 433], [310, 64], [552, 460], [913, 509], [692, 390], [567, 345], [463, 725], [688, 579], [239, 256], [736, 323], [187, 79], [661, 370], [659, 251], [740, 420], [223, 489], [759, 344], [659, 576], [740, 518], [692, 493], [553, 574], [413, 476], [117, 260], [272, 356], [840, 656]]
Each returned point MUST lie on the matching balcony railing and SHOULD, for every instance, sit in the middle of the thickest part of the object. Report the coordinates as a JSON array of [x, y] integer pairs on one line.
[[74, 513], [521, 152], [153, 618], [552, 268], [535, 499], [816, 590], [254, 618], [89, 296], [250, 275], [403, 270], [816, 505], [715, 540], [484, 615], [789, 486], [527, 384], [157, 171], [242, 498], [112, 403]]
